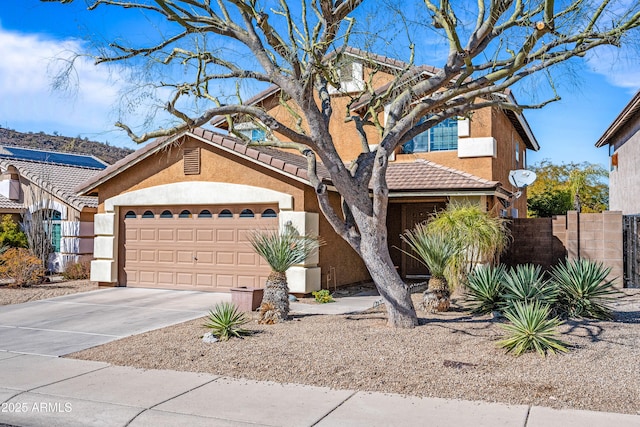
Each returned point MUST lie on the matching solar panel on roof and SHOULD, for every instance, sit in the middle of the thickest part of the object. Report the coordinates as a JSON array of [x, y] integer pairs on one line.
[[52, 157]]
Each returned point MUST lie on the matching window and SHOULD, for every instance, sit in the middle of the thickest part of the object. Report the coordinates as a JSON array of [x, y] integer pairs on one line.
[[247, 213], [130, 214], [269, 213], [148, 214], [166, 214], [254, 134], [517, 155], [56, 234], [441, 137], [225, 213], [184, 214], [205, 214]]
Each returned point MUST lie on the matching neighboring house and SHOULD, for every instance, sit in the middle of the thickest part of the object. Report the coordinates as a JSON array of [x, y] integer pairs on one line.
[[623, 139], [34, 180]]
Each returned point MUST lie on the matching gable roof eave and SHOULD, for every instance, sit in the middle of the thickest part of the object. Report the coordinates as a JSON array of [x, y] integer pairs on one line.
[[627, 113]]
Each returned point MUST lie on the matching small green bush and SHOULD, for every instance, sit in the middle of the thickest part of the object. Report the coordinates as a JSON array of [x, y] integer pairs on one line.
[[10, 233], [526, 283], [322, 296], [77, 271], [531, 329], [225, 321], [584, 290], [22, 266], [485, 289]]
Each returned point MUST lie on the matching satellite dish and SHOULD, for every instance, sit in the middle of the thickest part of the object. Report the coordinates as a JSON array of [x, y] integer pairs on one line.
[[522, 178]]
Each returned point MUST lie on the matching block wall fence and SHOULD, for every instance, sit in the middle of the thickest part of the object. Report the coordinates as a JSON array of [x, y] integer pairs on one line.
[[547, 241]]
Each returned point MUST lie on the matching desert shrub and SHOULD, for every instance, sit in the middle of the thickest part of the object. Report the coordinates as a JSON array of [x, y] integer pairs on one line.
[[77, 270], [225, 321], [322, 296], [485, 289], [526, 284], [531, 328], [22, 266], [583, 289], [10, 233]]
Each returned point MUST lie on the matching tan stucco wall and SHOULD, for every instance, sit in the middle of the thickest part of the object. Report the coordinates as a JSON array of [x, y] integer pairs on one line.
[[624, 179]]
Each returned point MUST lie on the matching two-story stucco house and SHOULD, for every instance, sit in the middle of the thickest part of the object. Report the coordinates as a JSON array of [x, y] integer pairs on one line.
[[174, 214]]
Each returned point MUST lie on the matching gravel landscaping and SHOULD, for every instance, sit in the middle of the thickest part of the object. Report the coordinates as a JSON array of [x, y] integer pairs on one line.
[[44, 290], [450, 355]]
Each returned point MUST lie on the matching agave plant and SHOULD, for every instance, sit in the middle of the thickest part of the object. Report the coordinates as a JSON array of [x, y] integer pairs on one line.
[[584, 290], [436, 252], [526, 283], [485, 288], [225, 321], [281, 250], [531, 329]]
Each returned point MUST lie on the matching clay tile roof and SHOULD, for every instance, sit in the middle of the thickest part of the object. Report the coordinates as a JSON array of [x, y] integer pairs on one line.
[[626, 115], [424, 175], [59, 180], [8, 204]]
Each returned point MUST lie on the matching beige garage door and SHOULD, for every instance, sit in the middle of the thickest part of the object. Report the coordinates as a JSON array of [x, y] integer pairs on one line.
[[197, 248]]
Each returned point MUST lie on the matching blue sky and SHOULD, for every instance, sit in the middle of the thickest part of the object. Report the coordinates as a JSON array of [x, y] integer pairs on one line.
[[32, 33]]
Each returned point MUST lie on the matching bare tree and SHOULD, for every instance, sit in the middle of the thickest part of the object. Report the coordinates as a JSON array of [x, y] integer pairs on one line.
[[297, 47], [38, 225]]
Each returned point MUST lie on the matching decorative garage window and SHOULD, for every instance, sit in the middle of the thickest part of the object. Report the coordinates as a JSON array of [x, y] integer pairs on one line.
[[225, 213], [185, 214], [247, 213], [269, 213], [166, 214], [191, 158], [130, 214], [205, 214], [148, 214]]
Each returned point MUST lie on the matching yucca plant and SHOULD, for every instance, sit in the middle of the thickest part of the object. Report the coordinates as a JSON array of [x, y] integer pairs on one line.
[[281, 250], [436, 252], [584, 290], [526, 283], [531, 329], [485, 288], [225, 321]]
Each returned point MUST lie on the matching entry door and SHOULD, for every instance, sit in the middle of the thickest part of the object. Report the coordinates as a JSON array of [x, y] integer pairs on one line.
[[412, 214]]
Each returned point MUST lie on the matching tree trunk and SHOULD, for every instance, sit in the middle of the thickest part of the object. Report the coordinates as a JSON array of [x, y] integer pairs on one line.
[[275, 300], [437, 297], [395, 293]]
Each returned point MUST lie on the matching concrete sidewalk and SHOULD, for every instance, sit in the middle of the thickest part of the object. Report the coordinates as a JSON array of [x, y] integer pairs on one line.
[[50, 391]]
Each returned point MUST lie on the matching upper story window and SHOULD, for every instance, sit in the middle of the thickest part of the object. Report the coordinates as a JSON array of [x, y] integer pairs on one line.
[[251, 131], [441, 137]]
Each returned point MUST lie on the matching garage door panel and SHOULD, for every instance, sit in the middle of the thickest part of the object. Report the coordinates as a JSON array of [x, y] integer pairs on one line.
[[204, 258], [145, 255], [185, 235], [248, 259], [203, 235], [147, 235], [166, 234], [189, 253], [225, 236], [225, 259], [185, 257]]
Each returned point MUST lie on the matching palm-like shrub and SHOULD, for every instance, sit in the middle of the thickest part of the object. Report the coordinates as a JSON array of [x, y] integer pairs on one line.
[[436, 252], [531, 329], [485, 289], [526, 283], [481, 236], [584, 290], [281, 250], [225, 321]]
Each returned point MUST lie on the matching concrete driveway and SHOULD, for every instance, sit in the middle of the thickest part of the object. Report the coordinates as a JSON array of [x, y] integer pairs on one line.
[[63, 325]]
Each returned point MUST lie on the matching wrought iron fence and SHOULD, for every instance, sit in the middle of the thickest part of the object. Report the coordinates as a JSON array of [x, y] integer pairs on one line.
[[631, 242]]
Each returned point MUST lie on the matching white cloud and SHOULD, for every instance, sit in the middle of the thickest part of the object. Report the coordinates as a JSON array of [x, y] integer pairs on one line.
[[618, 65], [28, 102]]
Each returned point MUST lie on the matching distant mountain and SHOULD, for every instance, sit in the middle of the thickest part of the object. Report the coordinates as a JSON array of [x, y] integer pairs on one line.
[[42, 141]]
